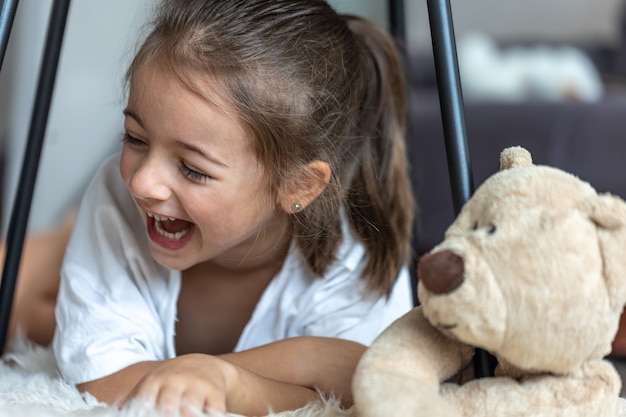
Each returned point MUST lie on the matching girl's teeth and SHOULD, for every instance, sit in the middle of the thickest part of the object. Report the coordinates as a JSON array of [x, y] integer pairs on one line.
[[160, 230], [172, 236], [161, 218]]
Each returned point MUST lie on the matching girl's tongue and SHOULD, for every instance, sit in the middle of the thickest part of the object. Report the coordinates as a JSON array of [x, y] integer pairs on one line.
[[174, 226]]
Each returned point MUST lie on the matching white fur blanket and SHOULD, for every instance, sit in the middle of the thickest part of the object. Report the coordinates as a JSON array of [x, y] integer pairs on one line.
[[30, 387]]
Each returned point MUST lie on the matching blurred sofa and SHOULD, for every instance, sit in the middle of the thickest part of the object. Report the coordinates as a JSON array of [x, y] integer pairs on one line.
[[587, 139]]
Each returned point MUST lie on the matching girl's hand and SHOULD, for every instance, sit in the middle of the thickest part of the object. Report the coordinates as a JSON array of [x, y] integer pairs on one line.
[[188, 384], [283, 375]]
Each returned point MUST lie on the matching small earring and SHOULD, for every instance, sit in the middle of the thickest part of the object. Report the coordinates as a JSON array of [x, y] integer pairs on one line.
[[296, 207]]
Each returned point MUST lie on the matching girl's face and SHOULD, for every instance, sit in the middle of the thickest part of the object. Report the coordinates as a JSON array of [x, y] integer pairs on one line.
[[192, 170]]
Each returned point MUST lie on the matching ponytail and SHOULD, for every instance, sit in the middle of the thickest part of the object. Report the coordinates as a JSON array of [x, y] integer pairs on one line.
[[380, 204]]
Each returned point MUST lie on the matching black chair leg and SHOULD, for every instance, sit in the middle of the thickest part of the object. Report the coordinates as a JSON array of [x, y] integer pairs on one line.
[[7, 16], [451, 101], [453, 118], [397, 26], [30, 165]]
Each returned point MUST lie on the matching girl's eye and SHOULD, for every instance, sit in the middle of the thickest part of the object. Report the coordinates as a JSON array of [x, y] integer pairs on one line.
[[132, 141], [191, 173]]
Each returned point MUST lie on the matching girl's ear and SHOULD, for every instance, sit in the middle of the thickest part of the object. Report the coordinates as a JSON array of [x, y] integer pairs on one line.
[[305, 187]]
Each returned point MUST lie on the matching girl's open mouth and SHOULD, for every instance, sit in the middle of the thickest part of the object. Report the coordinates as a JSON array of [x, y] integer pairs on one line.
[[169, 232]]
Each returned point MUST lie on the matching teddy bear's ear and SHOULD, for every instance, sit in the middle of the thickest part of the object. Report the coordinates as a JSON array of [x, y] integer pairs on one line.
[[608, 212], [515, 156]]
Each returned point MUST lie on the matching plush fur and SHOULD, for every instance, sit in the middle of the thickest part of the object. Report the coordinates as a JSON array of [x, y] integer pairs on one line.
[[30, 387], [532, 270]]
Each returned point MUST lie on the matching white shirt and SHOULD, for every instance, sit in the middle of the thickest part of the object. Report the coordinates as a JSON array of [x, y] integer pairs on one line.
[[117, 305]]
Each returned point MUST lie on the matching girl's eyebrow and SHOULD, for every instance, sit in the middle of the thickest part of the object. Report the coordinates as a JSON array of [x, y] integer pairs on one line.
[[184, 145], [199, 151], [129, 113]]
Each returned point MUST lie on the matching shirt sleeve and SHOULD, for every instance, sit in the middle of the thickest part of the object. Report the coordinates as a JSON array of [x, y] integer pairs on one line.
[[111, 303]]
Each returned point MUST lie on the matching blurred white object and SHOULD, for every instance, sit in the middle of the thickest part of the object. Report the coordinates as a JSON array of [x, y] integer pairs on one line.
[[489, 72]]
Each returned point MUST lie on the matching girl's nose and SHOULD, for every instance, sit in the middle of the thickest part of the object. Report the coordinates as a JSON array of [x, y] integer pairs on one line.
[[150, 180]]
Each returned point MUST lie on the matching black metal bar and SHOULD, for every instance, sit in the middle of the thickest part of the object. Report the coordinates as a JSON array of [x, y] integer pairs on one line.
[[23, 199], [453, 118], [397, 26], [397, 29], [7, 16], [451, 101]]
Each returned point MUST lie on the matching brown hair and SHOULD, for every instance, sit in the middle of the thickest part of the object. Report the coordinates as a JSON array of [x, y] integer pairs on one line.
[[311, 85]]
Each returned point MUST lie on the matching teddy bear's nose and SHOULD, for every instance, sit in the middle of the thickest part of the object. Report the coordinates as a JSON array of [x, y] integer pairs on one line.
[[441, 272]]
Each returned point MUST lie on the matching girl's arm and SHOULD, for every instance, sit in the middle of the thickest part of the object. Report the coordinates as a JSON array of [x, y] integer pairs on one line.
[[278, 376], [322, 363], [113, 388]]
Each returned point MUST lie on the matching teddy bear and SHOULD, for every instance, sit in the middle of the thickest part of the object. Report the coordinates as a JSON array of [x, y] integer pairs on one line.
[[533, 271]]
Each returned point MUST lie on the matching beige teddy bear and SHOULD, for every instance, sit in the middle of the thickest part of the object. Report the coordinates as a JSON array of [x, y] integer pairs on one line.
[[533, 270]]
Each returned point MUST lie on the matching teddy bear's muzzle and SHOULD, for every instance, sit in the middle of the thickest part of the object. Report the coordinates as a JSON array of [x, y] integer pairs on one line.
[[441, 272]]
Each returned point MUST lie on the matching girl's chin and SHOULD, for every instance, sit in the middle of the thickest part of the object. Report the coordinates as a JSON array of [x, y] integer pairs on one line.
[[170, 262], [176, 259]]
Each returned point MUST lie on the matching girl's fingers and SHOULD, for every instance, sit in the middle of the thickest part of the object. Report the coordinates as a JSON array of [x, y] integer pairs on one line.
[[190, 385], [192, 404], [203, 400], [215, 403], [169, 399], [142, 395], [189, 403]]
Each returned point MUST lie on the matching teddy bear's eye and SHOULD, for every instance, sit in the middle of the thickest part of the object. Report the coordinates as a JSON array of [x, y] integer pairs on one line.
[[490, 229]]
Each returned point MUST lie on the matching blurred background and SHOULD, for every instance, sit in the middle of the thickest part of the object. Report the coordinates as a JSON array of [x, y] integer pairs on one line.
[[545, 74]]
